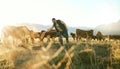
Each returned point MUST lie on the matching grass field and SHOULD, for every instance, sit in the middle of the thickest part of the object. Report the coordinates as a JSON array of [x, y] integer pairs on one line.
[[84, 54]]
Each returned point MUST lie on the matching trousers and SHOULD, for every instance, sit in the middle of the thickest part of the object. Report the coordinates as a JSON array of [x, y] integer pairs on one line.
[[65, 34]]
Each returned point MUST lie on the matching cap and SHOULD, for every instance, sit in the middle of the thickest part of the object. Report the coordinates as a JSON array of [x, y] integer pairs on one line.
[[53, 18]]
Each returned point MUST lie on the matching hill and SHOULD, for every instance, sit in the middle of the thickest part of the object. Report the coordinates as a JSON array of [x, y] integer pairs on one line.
[[112, 28]]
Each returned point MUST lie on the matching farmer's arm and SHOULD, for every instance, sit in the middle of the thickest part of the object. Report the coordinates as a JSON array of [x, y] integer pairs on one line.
[[51, 28]]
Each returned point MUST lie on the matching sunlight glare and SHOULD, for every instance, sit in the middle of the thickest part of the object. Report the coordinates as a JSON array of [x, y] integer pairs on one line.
[[2, 25]]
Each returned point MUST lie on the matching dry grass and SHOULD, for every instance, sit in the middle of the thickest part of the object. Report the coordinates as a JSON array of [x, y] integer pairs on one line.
[[90, 54]]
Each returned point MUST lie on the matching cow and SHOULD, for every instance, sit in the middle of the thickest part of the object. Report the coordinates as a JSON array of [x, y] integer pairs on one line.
[[49, 34], [16, 32], [34, 35], [73, 35], [99, 36], [84, 34], [114, 37]]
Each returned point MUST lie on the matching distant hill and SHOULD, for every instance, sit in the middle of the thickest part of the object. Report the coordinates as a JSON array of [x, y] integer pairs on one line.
[[113, 28]]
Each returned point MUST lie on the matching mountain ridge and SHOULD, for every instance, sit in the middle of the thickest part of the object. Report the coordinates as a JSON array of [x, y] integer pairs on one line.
[[109, 29]]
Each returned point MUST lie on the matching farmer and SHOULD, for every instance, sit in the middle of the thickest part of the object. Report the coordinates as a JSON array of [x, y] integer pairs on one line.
[[61, 28]]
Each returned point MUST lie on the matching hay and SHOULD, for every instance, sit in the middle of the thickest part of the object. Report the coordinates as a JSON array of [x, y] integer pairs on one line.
[[87, 56], [116, 56], [6, 63], [102, 50], [84, 58]]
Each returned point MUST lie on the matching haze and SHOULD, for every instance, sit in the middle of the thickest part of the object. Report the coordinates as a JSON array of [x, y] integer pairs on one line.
[[89, 13]]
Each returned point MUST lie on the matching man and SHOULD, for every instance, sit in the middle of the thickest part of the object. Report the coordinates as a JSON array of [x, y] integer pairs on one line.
[[61, 28]]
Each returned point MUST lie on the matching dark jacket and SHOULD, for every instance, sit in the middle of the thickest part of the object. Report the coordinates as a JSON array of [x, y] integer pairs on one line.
[[60, 26]]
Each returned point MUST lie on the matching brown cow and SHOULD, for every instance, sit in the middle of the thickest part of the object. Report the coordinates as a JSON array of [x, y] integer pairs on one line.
[[99, 35], [73, 35], [49, 34], [16, 32], [83, 34], [114, 37], [34, 35]]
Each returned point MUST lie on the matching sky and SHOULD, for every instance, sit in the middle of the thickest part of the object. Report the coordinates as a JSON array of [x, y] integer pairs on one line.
[[88, 13]]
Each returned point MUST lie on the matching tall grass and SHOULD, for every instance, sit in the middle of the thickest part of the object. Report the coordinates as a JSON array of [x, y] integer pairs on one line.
[[89, 54]]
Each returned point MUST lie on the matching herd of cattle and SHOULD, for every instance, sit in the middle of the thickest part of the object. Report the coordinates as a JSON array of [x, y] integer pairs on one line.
[[88, 34], [23, 33]]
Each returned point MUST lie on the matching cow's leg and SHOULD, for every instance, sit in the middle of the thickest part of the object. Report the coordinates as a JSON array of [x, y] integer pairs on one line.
[[32, 39], [74, 38], [53, 39], [77, 38], [48, 38]]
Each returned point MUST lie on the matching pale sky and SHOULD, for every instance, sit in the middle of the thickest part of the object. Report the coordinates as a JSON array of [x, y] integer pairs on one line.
[[89, 13]]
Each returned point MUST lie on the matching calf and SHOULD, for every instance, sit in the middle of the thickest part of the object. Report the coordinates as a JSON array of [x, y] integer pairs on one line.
[[73, 35]]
